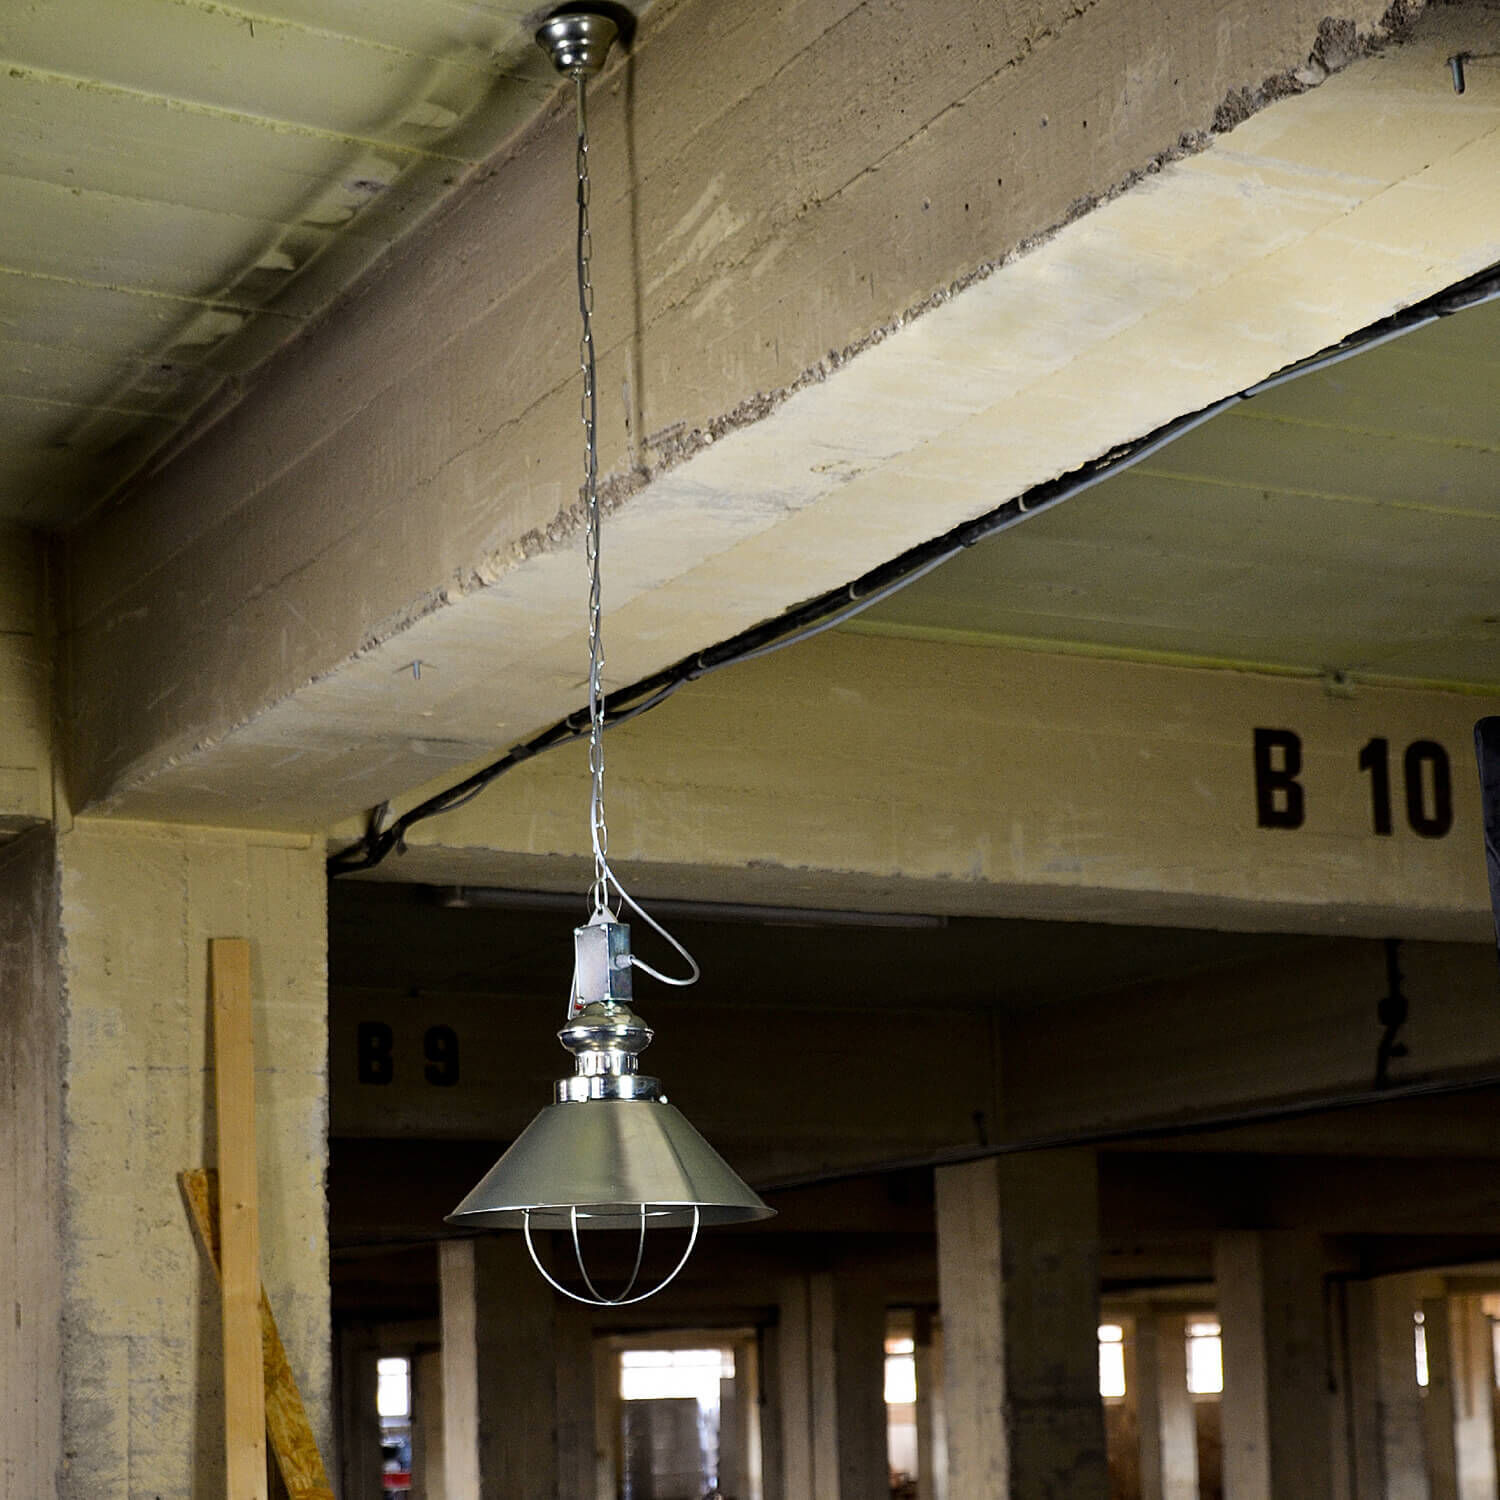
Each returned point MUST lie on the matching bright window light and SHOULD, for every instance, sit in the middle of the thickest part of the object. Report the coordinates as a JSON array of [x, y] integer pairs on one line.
[[393, 1387], [900, 1378], [1111, 1361], [900, 1370], [1205, 1358], [1420, 1331], [667, 1374]]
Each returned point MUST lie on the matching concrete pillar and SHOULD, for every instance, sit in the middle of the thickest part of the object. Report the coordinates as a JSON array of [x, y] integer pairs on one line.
[[794, 1431], [1018, 1273], [1387, 1408], [932, 1478], [739, 1426], [1460, 1399], [518, 1378], [1122, 1423], [608, 1457], [427, 1480], [359, 1456], [831, 1388], [1169, 1435], [1277, 1417], [1341, 1431], [31, 1170], [939, 1415], [573, 1342], [141, 1356], [776, 1385]]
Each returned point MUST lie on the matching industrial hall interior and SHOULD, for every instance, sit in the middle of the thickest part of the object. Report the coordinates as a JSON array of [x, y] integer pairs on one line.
[[970, 530]]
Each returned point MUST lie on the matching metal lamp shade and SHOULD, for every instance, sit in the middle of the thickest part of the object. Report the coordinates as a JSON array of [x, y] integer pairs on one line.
[[607, 1157]]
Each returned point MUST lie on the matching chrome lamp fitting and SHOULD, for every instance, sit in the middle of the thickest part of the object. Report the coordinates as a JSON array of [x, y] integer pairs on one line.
[[610, 1152]]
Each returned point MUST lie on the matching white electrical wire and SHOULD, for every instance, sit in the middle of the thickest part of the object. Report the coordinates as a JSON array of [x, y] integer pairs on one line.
[[605, 878]]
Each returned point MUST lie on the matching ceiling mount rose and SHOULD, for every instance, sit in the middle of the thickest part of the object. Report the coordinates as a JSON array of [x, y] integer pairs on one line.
[[578, 42]]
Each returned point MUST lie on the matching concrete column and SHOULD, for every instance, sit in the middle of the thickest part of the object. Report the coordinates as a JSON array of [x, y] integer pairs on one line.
[[141, 1355], [573, 1342], [1122, 1425], [1169, 1435], [939, 1415], [608, 1457], [31, 1170], [359, 1457], [1341, 1431], [1278, 1422], [774, 1389], [1387, 1408], [1460, 1399], [427, 1481], [831, 1353], [931, 1460], [518, 1382], [739, 1427], [1018, 1273], [794, 1428]]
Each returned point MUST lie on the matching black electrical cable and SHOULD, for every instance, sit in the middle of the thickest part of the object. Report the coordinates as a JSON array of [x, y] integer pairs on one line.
[[830, 609]]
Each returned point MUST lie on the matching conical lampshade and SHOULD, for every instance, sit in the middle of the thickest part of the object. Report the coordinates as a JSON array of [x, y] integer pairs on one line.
[[607, 1157]]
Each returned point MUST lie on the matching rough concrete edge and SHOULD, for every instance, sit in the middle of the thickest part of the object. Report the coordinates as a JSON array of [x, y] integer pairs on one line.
[[1338, 43]]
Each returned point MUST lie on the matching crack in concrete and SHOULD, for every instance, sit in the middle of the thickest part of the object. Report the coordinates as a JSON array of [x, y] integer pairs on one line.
[[783, 218], [1028, 47]]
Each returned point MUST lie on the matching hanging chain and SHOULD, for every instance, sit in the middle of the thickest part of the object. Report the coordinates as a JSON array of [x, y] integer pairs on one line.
[[599, 833], [604, 877]]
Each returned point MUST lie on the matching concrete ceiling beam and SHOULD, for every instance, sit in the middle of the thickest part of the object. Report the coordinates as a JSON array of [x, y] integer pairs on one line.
[[1224, 1043], [399, 487], [915, 776]]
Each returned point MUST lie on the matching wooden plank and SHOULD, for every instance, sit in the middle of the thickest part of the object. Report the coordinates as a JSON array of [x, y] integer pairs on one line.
[[291, 1433], [239, 1227]]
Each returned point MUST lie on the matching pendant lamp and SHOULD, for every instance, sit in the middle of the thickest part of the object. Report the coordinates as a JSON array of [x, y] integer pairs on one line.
[[609, 1152]]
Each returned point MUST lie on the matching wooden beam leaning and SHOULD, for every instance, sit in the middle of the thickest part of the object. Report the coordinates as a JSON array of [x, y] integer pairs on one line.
[[291, 1433], [239, 1226]]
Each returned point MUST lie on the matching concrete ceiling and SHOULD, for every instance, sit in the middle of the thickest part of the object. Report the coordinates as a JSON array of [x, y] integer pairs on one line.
[[1344, 523], [185, 186]]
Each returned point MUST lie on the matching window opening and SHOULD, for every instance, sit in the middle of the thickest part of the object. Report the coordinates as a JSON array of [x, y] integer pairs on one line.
[[1205, 1357], [393, 1408], [901, 1413], [676, 1405], [1112, 1361]]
